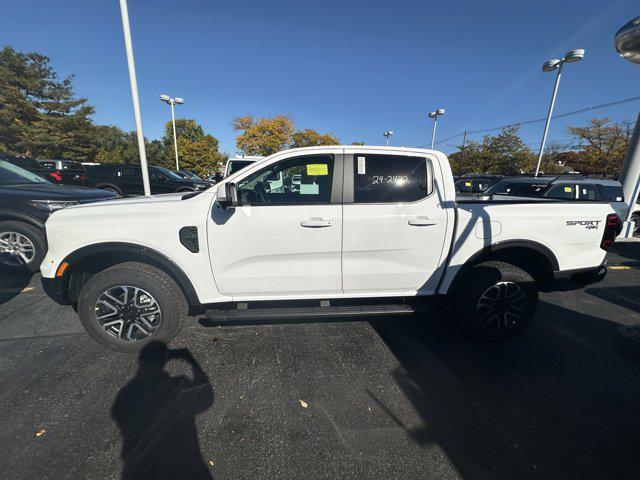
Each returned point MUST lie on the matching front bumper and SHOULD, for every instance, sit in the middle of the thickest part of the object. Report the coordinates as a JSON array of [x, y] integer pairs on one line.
[[55, 289], [574, 279]]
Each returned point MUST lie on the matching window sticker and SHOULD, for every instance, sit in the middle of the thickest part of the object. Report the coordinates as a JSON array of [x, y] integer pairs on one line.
[[567, 189], [362, 165], [310, 189], [318, 169], [467, 184]]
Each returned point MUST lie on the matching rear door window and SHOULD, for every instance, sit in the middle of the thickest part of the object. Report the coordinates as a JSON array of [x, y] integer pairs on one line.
[[562, 190], [131, 172], [588, 192], [389, 178]]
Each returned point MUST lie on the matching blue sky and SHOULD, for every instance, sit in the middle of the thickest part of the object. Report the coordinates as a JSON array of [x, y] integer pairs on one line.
[[353, 68]]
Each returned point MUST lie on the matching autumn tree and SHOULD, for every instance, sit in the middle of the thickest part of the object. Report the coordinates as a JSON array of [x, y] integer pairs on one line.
[[265, 136], [310, 138], [602, 145], [503, 154], [197, 151]]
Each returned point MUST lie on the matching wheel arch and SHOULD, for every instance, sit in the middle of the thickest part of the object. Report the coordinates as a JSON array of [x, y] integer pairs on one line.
[[91, 259], [531, 256], [103, 185], [10, 215]]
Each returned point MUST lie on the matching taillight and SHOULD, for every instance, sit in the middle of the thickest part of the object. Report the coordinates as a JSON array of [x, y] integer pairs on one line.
[[55, 176], [611, 230]]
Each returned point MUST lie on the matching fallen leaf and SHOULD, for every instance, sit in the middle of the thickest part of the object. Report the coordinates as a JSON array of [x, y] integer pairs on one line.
[[369, 408], [212, 463], [39, 433], [303, 403]]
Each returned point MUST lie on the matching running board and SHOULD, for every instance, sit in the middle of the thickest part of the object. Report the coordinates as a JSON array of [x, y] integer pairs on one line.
[[244, 313]]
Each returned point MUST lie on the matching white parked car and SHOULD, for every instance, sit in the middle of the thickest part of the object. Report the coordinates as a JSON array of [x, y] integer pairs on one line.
[[368, 230]]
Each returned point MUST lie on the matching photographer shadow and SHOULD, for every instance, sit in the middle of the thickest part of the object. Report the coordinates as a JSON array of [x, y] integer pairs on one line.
[[155, 413]]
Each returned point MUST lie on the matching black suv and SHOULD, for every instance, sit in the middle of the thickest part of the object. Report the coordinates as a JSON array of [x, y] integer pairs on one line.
[[126, 180], [26, 201], [68, 172]]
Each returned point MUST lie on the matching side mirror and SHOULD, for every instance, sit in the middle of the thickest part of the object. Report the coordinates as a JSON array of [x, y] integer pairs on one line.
[[226, 195]]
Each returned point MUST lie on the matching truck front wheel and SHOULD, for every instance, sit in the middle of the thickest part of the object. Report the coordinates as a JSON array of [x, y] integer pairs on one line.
[[131, 304], [495, 300]]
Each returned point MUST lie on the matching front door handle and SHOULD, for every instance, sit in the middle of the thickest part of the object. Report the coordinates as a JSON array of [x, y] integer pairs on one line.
[[422, 221], [316, 223]]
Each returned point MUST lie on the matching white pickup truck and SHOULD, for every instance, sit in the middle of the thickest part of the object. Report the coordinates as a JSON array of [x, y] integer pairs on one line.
[[321, 231]]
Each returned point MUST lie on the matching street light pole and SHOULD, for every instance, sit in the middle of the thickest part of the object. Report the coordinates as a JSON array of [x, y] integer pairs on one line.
[[434, 115], [134, 95], [549, 114], [175, 137], [549, 66], [172, 101]]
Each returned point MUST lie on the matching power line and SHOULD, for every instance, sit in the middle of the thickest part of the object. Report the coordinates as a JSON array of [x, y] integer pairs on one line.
[[527, 122]]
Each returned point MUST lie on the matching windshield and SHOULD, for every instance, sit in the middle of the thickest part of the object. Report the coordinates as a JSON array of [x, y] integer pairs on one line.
[[12, 175], [517, 188], [236, 165], [169, 173]]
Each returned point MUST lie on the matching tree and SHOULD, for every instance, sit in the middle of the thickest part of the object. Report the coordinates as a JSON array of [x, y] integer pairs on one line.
[[504, 154], [197, 151], [39, 114], [357, 142], [603, 145], [310, 138], [114, 145], [263, 136]]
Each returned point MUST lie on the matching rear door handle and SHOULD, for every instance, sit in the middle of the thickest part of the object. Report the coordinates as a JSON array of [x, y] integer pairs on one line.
[[422, 221], [316, 223]]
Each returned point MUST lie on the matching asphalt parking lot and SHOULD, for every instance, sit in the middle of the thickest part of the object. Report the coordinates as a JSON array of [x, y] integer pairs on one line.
[[388, 398]]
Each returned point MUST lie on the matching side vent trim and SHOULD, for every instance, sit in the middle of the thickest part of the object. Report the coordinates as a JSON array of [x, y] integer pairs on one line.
[[189, 239]]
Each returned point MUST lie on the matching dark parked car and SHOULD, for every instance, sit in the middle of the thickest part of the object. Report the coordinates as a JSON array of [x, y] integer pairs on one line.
[[126, 180], [26, 201], [67, 172]]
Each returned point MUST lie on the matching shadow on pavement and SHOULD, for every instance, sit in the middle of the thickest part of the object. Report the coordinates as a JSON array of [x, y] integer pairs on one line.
[[627, 296], [628, 250], [12, 282], [155, 413], [558, 401]]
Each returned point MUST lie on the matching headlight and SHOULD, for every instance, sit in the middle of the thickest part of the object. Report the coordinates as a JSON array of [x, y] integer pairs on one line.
[[52, 205]]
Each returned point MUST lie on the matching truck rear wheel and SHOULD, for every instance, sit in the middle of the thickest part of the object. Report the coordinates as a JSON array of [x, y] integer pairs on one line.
[[495, 300], [131, 304]]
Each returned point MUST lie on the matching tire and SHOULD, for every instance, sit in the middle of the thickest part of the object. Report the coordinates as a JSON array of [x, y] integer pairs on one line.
[[30, 242], [635, 220], [115, 322], [495, 300]]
